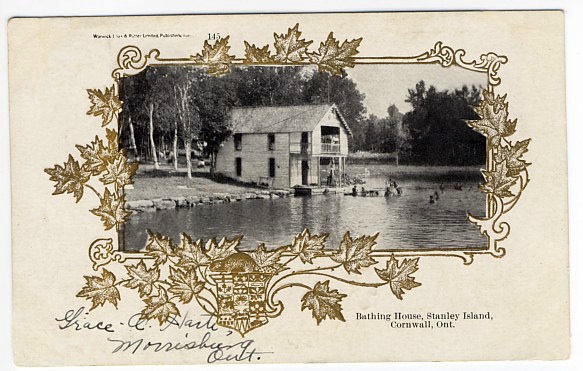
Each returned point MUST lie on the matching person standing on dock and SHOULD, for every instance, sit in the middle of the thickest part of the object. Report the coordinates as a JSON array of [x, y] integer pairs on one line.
[[330, 181]]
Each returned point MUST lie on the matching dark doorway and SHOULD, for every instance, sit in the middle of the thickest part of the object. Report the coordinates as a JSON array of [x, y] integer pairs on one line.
[[304, 142], [238, 166], [272, 168], [305, 172]]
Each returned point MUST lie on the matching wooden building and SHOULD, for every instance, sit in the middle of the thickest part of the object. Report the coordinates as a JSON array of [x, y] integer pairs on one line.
[[285, 146]]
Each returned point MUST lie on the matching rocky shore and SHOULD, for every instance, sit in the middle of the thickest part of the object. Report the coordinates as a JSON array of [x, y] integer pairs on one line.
[[203, 199]]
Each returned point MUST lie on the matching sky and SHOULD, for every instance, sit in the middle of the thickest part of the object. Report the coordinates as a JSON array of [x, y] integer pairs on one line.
[[384, 85]]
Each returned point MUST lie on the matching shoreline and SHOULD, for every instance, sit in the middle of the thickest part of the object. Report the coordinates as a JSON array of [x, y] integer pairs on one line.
[[174, 190], [176, 202]]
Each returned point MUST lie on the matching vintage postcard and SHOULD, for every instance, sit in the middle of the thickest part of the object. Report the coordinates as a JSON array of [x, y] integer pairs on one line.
[[292, 188]]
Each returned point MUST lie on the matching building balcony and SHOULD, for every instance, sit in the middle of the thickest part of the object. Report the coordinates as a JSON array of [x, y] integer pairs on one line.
[[301, 148], [330, 148]]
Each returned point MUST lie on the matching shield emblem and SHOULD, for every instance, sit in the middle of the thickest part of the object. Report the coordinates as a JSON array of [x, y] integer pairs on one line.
[[241, 300]]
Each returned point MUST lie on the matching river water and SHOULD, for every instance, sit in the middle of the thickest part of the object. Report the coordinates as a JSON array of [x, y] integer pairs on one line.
[[404, 222]]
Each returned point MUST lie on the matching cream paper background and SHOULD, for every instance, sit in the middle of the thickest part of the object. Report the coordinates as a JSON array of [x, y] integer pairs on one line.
[[53, 61]]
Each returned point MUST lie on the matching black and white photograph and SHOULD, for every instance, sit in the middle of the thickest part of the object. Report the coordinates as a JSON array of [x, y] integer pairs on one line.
[[267, 151]]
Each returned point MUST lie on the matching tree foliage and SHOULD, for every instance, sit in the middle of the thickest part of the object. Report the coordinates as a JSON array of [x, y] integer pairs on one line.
[[321, 87], [198, 106], [188, 102], [439, 134]]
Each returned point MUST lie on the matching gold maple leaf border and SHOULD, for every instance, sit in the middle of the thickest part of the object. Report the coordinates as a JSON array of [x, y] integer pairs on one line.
[[175, 274], [289, 48], [188, 264]]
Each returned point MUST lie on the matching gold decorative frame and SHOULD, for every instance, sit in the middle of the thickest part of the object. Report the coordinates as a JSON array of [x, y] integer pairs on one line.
[[190, 264]]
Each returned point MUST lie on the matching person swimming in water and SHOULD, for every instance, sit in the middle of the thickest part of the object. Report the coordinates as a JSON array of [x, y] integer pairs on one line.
[[436, 195], [431, 200]]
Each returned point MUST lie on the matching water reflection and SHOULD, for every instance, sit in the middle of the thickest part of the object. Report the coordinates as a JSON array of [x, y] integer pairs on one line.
[[405, 222]]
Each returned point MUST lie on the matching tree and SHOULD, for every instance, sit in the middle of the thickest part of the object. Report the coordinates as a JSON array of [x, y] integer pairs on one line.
[[373, 133], [134, 128], [439, 135], [398, 133], [271, 86], [185, 91], [214, 106], [126, 92], [321, 87], [202, 106], [146, 110]]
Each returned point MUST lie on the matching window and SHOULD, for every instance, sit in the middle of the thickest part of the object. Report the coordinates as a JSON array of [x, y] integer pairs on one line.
[[238, 166], [237, 142], [272, 168], [304, 144], [271, 141]]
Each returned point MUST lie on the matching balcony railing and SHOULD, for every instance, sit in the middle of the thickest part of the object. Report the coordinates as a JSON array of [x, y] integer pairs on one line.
[[306, 148], [302, 148], [330, 148]]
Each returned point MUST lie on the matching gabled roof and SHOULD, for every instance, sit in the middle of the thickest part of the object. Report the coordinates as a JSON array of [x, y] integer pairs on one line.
[[281, 119]]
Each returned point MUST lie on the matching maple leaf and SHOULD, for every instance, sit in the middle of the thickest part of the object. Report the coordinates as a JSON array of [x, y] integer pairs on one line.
[[308, 246], [355, 253], [332, 57], [512, 155], [142, 278], [100, 289], [323, 302], [159, 307], [70, 178], [215, 57], [289, 47], [254, 54], [159, 247], [398, 277], [191, 254], [265, 259], [223, 249], [493, 122], [104, 104], [496, 102], [112, 151], [498, 182], [92, 153], [111, 210], [185, 284], [119, 171]]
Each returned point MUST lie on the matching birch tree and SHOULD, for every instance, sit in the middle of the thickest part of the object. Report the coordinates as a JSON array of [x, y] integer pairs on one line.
[[185, 85], [150, 109], [159, 104]]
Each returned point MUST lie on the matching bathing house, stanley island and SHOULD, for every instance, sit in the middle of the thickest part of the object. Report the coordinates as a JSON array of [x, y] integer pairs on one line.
[[286, 146]]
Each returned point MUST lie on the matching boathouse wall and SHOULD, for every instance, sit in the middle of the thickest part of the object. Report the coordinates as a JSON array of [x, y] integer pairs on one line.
[[255, 154]]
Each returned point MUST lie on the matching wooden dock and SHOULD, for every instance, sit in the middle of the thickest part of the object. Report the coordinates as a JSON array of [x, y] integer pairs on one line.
[[314, 190], [346, 191]]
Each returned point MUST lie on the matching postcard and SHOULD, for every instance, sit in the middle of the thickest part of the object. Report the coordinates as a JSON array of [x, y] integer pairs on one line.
[[289, 188]]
